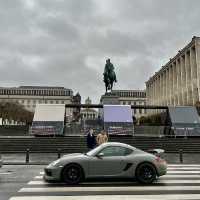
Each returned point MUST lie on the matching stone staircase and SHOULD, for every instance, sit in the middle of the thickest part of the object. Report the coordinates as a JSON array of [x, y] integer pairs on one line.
[[72, 144]]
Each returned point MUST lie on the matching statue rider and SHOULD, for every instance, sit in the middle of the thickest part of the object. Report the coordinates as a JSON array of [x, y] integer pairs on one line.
[[109, 75], [109, 68]]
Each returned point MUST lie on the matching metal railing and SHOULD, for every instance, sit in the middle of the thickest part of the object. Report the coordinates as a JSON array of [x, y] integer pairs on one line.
[[59, 153]]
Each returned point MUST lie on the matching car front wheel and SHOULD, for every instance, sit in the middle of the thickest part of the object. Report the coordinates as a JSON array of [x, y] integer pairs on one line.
[[72, 174], [145, 173]]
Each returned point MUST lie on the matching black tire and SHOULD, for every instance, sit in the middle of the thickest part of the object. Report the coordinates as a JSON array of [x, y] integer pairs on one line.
[[72, 174], [145, 173]]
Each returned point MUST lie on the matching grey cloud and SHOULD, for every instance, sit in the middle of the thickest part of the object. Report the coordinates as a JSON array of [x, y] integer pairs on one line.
[[49, 43], [116, 43]]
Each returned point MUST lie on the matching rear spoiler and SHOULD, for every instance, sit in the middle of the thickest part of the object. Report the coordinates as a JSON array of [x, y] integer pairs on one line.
[[157, 152]]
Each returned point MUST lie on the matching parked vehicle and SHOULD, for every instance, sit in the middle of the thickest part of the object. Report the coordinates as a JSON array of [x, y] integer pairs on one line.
[[109, 160]]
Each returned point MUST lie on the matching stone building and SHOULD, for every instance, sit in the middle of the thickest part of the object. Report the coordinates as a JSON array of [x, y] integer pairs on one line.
[[89, 113], [178, 82], [29, 96], [128, 97]]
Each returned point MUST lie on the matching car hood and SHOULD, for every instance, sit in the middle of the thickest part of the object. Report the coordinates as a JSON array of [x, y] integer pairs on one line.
[[73, 155], [67, 158]]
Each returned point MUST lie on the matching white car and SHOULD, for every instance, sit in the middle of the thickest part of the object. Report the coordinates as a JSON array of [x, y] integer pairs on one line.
[[109, 160]]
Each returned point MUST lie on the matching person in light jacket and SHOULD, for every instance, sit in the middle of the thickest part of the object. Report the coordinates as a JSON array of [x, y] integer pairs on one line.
[[102, 137]]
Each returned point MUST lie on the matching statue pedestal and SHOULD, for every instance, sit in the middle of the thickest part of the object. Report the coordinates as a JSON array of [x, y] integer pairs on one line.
[[109, 99]]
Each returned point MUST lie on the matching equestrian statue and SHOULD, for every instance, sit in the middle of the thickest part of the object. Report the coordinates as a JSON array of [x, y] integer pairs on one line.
[[109, 75]]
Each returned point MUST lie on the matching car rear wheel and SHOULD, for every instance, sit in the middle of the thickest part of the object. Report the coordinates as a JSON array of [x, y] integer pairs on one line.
[[72, 174], [145, 173]]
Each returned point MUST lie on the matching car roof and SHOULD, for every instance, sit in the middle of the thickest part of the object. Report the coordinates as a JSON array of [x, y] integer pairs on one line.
[[118, 144]]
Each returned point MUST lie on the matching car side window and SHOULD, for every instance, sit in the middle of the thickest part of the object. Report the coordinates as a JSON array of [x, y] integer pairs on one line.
[[116, 151], [128, 151]]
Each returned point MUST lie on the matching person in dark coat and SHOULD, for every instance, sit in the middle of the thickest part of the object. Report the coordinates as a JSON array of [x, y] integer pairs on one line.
[[91, 141]]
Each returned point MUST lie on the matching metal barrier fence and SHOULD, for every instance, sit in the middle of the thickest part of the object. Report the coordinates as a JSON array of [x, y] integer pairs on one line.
[[59, 153]]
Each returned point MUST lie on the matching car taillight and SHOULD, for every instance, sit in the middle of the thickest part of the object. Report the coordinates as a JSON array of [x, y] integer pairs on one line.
[[159, 159]]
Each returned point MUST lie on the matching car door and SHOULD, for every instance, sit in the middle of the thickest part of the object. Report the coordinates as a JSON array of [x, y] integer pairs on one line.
[[109, 162]]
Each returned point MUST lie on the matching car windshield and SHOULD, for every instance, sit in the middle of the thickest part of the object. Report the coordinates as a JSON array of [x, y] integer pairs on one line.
[[93, 151]]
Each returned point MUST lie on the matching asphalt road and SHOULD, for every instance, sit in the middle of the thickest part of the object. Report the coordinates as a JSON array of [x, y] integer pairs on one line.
[[182, 182], [13, 177], [25, 183]]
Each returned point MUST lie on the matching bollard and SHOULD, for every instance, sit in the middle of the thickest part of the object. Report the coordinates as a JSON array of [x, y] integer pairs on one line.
[[59, 153], [27, 155], [181, 155]]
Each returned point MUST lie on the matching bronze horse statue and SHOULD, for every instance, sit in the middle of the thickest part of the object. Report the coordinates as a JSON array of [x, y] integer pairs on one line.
[[109, 75]]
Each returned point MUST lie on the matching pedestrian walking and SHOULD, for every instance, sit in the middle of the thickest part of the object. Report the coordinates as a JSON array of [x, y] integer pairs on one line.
[[102, 137], [91, 141]]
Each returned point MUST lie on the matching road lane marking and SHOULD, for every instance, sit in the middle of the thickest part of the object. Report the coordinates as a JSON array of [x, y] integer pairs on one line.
[[183, 165], [183, 172], [5, 173], [180, 176], [110, 189], [156, 182], [113, 197], [183, 168]]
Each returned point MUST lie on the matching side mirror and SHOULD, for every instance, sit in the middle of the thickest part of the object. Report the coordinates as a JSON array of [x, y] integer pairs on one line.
[[100, 155]]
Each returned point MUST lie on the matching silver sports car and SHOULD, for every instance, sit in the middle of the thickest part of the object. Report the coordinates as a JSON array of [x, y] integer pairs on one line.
[[109, 160]]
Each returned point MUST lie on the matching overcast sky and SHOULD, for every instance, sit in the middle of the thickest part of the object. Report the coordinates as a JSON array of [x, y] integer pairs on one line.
[[66, 42]]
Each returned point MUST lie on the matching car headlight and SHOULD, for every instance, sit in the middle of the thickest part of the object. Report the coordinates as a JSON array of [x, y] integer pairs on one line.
[[54, 163]]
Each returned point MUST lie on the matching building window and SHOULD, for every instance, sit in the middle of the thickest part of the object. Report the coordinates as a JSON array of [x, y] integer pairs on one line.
[[57, 102], [63, 102], [140, 111], [51, 102]]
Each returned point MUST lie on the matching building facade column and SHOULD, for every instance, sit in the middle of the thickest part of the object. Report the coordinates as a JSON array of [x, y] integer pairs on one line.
[[194, 75], [153, 88], [178, 81], [161, 89], [184, 86], [168, 86], [149, 100], [159, 79], [182, 81], [174, 84], [171, 84], [155, 82], [197, 48], [188, 77], [165, 87]]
